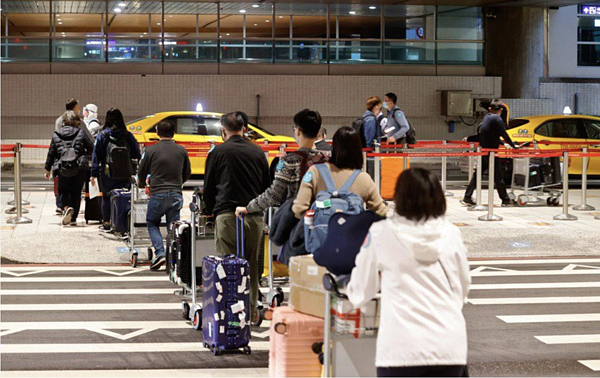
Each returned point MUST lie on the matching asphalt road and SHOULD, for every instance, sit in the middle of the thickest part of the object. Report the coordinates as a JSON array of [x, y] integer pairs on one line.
[[525, 318]]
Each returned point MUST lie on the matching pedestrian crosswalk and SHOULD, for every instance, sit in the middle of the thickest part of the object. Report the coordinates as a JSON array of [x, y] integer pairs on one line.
[[546, 307], [106, 321]]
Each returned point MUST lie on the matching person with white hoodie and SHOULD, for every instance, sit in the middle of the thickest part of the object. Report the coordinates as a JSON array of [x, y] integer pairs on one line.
[[90, 118], [418, 260]]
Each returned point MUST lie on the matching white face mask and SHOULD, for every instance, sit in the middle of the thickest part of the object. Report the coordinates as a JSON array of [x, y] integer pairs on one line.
[[385, 105]]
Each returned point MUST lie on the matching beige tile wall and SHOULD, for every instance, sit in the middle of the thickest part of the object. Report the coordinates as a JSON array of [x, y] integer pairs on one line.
[[31, 103]]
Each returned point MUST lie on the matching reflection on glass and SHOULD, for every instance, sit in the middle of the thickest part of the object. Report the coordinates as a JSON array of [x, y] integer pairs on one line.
[[409, 22], [588, 29], [460, 53], [301, 52], [20, 49], [459, 23], [190, 50], [355, 52], [248, 51], [79, 49], [355, 21], [242, 20], [300, 20], [409, 52], [588, 55]]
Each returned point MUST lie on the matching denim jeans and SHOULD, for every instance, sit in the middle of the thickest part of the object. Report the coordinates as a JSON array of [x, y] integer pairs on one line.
[[162, 204]]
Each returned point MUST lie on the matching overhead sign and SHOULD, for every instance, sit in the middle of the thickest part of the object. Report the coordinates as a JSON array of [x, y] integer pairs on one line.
[[590, 9]]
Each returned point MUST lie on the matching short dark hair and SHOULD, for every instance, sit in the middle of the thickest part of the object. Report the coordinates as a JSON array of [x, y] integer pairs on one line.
[[419, 195], [347, 149], [114, 120], [165, 129], [309, 122], [232, 122], [71, 104], [372, 102], [244, 117], [496, 105], [392, 96], [70, 118]]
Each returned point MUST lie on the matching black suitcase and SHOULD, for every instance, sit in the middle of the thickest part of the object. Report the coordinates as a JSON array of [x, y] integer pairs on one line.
[[93, 206]]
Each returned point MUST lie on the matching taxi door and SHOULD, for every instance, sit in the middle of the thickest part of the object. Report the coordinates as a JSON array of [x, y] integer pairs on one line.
[[188, 130], [564, 130], [592, 128]]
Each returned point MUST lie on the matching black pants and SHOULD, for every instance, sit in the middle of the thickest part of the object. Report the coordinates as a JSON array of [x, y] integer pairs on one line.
[[69, 191], [424, 371], [498, 180]]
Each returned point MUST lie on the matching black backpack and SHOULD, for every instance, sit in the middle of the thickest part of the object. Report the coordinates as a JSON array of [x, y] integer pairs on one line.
[[411, 135], [118, 160], [68, 163], [358, 125]]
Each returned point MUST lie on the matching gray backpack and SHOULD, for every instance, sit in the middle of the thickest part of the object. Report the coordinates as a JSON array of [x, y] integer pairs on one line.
[[68, 163]]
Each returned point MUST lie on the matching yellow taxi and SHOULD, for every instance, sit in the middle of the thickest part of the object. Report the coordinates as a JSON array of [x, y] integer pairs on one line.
[[197, 127], [571, 129]]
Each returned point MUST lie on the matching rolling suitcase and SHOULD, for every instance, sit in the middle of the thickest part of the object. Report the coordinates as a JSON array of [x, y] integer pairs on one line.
[[93, 206], [120, 207], [291, 338], [226, 300]]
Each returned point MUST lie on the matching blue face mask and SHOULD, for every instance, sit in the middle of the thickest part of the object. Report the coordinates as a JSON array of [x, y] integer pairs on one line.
[[385, 105]]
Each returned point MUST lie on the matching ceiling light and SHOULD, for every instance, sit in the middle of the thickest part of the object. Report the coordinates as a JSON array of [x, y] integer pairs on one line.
[[266, 20], [228, 34], [145, 33], [158, 23], [280, 16], [372, 7], [170, 15], [242, 11], [255, 5], [255, 24], [60, 23], [117, 10], [352, 12], [122, 5], [597, 23]]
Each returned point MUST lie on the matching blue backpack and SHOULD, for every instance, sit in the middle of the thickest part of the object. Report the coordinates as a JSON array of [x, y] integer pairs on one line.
[[327, 203]]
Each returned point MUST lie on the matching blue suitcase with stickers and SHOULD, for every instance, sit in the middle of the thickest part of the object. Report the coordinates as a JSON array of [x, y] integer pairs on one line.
[[226, 300]]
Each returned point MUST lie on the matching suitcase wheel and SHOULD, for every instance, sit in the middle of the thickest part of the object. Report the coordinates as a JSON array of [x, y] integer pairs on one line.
[[247, 350], [259, 318], [185, 310], [264, 282], [522, 200], [216, 350], [555, 201], [280, 328], [150, 254], [197, 320], [134, 260], [317, 347]]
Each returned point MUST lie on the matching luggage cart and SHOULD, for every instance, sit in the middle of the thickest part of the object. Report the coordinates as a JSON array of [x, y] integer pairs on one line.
[[191, 296], [275, 296], [138, 237], [350, 337], [537, 178]]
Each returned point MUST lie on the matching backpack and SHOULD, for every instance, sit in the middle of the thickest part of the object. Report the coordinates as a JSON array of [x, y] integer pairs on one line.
[[68, 163], [118, 161], [346, 235], [327, 203], [358, 126], [411, 135], [307, 162]]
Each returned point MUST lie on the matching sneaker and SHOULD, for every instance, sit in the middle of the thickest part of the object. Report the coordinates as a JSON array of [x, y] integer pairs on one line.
[[104, 227], [73, 223], [157, 263], [59, 211], [67, 215], [468, 202], [509, 203]]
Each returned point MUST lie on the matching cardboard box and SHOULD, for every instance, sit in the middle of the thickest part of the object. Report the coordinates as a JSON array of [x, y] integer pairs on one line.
[[307, 294]]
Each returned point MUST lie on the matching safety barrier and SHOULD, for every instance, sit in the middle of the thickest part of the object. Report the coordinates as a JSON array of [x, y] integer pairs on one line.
[[18, 200]]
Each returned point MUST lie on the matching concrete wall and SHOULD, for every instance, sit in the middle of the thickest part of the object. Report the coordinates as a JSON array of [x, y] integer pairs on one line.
[[515, 49], [31, 103], [563, 46]]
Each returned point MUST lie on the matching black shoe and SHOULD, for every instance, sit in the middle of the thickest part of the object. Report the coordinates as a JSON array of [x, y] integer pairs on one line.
[[157, 263], [468, 202], [509, 203]]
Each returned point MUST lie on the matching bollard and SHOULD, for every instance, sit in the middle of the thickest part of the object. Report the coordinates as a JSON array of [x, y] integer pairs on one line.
[[478, 206], [445, 172], [490, 216], [19, 218], [364, 167], [377, 174], [271, 274], [471, 147], [584, 206], [565, 214], [326, 333]]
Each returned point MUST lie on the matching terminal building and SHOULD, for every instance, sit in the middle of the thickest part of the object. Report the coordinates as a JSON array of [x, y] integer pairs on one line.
[[272, 58]]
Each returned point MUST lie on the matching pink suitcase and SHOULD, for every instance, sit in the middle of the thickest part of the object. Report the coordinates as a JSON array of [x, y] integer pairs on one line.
[[292, 337]]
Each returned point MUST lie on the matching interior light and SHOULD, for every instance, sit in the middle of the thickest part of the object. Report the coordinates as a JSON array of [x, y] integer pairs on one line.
[[597, 23], [372, 7], [255, 5], [352, 12], [122, 5], [228, 34], [60, 23], [199, 107], [158, 23], [242, 11], [280, 16], [145, 33], [567, 111], [118, 10], [255, 24], [266, 20]]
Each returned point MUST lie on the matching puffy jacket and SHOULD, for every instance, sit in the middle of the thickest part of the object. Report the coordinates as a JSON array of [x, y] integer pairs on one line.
[[101, 148], [83, 147]]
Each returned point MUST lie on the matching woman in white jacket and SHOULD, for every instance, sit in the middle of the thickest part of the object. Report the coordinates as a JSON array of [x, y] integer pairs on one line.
[[419, 262]]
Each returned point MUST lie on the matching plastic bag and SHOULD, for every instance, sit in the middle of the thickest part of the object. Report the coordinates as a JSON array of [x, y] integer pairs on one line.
[[94, 190]]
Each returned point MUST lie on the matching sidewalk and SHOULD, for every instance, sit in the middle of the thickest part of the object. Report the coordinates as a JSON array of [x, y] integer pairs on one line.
[[527, 231]]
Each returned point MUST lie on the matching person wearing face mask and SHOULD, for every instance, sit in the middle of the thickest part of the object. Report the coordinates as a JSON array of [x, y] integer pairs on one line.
[[371, 127], [90, 118], [396, 126], [236, 172]]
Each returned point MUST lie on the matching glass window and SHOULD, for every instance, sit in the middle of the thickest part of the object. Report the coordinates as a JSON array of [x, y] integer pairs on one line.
[[300, 20], [134, 31], [460, 53], [414, 22], [588, 55], [593, 128], [212, 126], [560, 129], [355, 21], [79, 31], [588, 29], [246, 20], [459, 23], [27, 35], [190, 31]]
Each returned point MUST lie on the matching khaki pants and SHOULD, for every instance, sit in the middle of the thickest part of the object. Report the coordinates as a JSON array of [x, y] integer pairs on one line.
[[226, 239]]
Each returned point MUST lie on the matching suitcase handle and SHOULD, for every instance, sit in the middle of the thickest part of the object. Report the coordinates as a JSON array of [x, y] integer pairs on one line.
[[240, 236]]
